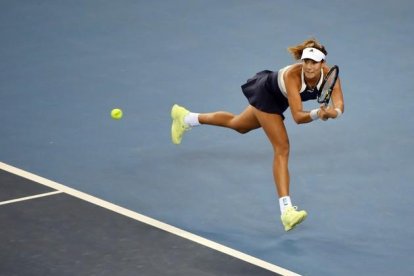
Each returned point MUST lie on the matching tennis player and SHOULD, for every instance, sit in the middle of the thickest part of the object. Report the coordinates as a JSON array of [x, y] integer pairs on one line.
[[269, 94]]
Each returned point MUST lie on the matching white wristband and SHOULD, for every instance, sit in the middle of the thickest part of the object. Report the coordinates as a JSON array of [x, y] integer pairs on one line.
[[339, 113], [314, 114]]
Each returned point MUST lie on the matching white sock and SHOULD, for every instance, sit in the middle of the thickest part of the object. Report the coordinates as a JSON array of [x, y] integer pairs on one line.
[[284, 202], [192, 119]]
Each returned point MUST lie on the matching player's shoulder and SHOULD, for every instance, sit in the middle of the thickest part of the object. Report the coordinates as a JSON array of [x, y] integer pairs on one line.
[[292, 75], [293, 71]]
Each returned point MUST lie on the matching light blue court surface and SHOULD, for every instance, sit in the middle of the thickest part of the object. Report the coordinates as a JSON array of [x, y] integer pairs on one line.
[[66, 64]]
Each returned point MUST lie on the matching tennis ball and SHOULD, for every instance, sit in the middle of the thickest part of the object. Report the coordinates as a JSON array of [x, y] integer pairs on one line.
[[116, 114]]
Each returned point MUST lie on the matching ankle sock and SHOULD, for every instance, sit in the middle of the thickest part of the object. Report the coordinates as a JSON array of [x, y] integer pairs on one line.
[[284, 202], [191, 119]]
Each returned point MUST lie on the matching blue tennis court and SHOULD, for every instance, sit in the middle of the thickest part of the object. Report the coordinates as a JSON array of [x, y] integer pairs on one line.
[[66, 64]]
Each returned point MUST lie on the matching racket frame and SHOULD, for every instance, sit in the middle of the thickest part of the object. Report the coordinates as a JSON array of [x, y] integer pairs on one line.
[[327, 98]]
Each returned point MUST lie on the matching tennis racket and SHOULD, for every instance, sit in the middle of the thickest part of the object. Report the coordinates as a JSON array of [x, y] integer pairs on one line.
[[328, 83]]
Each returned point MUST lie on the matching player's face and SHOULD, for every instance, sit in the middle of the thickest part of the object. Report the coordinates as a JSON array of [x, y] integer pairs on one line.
[[311, 68]]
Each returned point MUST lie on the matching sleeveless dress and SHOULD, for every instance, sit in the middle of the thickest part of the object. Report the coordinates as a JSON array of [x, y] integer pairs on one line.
[[266, 91]]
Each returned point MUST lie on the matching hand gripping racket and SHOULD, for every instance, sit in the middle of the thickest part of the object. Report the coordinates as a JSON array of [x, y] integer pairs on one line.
[[328, 83]]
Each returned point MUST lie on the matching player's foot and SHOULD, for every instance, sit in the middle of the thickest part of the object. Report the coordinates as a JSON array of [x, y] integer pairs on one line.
[[291, 217], [178, 125]]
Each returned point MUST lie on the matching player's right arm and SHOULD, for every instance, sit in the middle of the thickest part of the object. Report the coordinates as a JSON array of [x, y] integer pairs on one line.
[[293, 83]]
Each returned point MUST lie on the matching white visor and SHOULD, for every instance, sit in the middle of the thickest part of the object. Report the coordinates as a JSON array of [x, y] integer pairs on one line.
[[313, 53]]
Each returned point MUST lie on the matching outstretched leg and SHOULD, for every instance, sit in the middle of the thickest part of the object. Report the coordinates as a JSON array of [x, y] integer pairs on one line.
[[242, 123], [183, 120]]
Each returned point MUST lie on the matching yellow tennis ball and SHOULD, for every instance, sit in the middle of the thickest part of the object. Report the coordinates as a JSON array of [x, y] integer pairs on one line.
[[116, 114]]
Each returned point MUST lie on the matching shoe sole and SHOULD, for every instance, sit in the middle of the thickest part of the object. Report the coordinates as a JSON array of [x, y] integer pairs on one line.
[[174, 122]]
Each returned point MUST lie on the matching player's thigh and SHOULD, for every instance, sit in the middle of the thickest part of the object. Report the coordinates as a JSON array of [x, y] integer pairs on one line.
[[275, 129], [246, 120]]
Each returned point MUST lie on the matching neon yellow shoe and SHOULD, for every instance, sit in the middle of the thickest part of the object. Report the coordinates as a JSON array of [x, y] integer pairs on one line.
[[291, 217], [178, 125]]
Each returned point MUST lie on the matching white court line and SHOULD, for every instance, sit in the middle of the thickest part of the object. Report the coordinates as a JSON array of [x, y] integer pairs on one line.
[[148, 220], [29, 197]]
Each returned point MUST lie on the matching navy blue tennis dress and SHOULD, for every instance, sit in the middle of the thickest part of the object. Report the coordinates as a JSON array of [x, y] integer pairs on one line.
[[267, 91]]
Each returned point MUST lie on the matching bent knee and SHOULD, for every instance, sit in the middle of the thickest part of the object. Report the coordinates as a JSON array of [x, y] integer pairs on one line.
[[242, 130], [242, 127], [239, 127]]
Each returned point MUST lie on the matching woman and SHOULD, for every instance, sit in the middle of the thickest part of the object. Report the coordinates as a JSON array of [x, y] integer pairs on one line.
[[269, 95]]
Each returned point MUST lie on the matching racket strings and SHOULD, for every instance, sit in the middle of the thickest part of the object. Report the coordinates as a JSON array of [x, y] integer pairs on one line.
[[327, 86]]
